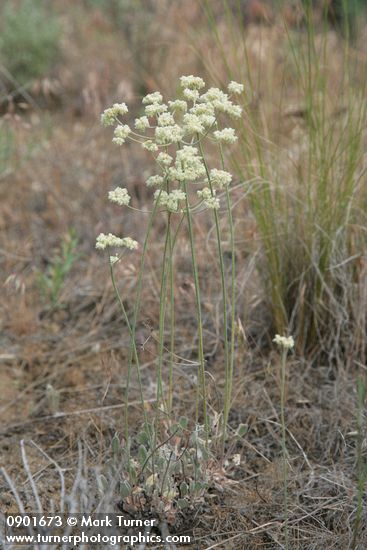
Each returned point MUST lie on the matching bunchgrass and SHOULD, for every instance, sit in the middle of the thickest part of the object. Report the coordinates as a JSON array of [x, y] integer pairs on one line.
[[301, 140]]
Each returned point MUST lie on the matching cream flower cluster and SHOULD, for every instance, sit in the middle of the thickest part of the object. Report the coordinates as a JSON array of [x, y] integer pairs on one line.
[[120, 134], [188, 165], [173, 131], [179, 119], [170, 200], [235, 88], [220, 178], [106, 241], [286, 342], [209, 198], [110, 116], [227, 135], [119, 196]]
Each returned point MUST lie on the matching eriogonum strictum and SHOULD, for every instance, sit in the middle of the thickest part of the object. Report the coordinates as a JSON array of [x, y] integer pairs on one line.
[[173, 131]]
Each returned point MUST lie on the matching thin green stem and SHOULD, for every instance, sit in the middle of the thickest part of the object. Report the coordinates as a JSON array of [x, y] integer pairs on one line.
[[172, 322], [162, 311], [284, 443], [134, 353], [224, 293], [199, 317], [233, 296]]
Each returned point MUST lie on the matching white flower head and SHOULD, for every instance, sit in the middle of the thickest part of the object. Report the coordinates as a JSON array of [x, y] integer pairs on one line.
[[160, 196], [105, 241], [114, 259], [153, 98], [165, 135], [193, 124], [235, 88], [221, 102], [120, 109], [188, 165], [191, 95], [166, 119], [142, 123], [209, 198], [215, 96], [205, 112], [234, 111], [165, 159], [109, 116], [120, 134], [220, 178], [130, 243], [155, 181], [149, 145], [155, 109], [173, 200], [227, 135], [178, 105], [286, 342], [192, 82], [119, 196], [170, 200]]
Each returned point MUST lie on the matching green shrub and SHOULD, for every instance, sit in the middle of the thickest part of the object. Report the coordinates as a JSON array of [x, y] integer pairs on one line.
[[29, 40]]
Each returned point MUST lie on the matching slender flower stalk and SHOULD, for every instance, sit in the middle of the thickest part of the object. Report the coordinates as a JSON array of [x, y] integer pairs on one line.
[[134, 352], [229, 379], [284, 443], [224, 298], [285, 343], [172, 321], [162, 311], [202, 385]]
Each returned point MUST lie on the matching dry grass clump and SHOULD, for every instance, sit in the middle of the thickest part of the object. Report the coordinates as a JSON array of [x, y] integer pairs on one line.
[[303, 145]]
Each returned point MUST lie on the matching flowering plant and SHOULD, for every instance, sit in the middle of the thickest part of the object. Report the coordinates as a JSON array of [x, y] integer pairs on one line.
[[175, 133], [182, 124]]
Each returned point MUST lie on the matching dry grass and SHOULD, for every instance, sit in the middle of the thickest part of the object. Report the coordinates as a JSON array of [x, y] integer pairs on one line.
[[60, 166]]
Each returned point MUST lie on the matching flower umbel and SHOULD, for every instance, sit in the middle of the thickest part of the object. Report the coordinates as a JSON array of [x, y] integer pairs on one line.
[[209, 198], [110, 115], [120, 134], [235, 88], [286, 342], [119, 196], [220, 178], [227, 135], [105, 241]]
